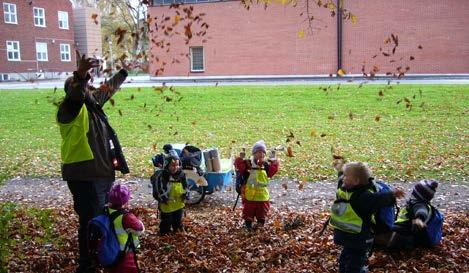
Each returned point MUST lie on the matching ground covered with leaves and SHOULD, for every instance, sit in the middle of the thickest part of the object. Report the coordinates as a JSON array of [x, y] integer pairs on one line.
[[38, 217], [215, 241]]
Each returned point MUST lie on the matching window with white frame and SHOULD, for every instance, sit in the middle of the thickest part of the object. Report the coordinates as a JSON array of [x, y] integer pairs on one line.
[[63, 19], [9, 13], [197, 59], [39, 17], [41, 52], [65, 53], [13, 51]]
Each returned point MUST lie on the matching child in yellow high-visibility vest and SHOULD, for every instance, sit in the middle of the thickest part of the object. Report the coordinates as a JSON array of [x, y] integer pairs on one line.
[[255, 174], [171, 192]]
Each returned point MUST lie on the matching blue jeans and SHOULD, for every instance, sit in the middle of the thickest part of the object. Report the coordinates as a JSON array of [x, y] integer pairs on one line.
[[353, 260], [89, 199]]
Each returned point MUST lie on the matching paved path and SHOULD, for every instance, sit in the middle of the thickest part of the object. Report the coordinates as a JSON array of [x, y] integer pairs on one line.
[[53, 192]]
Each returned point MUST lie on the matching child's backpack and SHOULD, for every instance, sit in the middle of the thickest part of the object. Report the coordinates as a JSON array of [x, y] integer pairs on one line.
[[102, 239], [386, 216], [434, 228]]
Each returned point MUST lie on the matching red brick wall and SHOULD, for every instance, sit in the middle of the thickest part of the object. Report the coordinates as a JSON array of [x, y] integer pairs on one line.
[[266, 42], [440, 27], [252, 42], [27, 34]]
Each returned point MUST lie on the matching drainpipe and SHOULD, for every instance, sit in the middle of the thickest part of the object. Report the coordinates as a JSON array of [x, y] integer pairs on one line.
[[339, 36]]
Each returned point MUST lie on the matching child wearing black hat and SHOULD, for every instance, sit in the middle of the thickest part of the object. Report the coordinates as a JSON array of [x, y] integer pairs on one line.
[[418, 223]]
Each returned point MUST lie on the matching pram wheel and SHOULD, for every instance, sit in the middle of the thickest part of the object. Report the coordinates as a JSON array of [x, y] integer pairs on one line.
[[196, 194]]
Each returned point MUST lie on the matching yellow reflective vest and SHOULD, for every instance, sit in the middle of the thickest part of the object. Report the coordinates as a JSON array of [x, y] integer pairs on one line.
[[122, 235], [257, 185], [174, 192], [75, 146]]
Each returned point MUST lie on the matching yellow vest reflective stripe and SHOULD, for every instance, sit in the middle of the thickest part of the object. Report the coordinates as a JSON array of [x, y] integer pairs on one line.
[[122, 235], [343, 217], [257, 186], [404, 215], [174, 193]]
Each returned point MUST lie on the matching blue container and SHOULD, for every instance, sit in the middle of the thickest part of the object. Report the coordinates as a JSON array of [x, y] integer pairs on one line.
[[218, 180]]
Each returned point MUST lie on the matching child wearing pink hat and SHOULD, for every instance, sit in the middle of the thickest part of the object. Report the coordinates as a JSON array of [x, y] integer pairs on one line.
[[125, 224]]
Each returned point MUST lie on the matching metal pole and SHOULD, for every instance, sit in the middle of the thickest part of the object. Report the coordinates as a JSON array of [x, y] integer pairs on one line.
[[339, 35]]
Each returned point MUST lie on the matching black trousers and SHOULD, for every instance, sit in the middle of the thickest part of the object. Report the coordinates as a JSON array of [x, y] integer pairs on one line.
[[89, 199], [171, 220]]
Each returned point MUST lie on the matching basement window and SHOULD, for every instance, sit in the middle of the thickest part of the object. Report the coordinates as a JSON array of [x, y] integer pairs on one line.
[[197, 59]]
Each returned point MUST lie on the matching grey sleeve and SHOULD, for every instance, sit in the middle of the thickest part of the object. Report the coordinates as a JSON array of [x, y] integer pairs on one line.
[[420, 210]]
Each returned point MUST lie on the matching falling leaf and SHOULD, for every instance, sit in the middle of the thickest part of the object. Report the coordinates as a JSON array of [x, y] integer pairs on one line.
[[341, 72], [377, 118], [94, 16], [177, 18], [301, 34], [289, 151], [120, 33], [187, 31]]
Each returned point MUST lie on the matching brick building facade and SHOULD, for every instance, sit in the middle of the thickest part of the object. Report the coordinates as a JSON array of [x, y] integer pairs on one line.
[[432, 39], [36, 39]]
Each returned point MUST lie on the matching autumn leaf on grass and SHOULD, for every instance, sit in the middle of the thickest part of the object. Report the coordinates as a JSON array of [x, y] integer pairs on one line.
[[337, 157], [350, 115], [120, 112], [377, 118], [381, 93], [341, 72], [94, 16], [154, 147], [112, 101], [314, 133], [290, 152]]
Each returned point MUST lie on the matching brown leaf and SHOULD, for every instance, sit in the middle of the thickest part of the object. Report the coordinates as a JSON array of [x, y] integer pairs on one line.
[[290, 152], [350, 115], [381, 93], [111, 100], [187, 31], [284, 185], [377, 118], [94, 16], [420, 47], [120, 112], [411, 58]]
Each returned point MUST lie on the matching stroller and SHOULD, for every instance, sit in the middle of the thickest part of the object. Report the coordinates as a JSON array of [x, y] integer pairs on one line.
[[191, 160]]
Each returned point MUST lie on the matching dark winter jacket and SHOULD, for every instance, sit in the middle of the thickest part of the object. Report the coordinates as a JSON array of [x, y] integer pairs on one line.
[[365, 203], [79, 93]]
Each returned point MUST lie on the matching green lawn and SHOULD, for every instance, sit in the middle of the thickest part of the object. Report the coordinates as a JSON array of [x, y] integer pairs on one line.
[[430, 140]]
